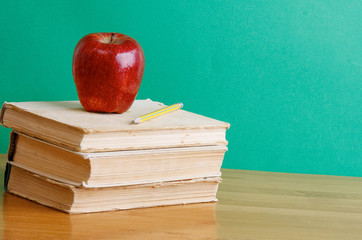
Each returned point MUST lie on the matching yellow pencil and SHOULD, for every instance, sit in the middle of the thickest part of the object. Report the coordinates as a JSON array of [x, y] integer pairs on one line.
[[158, 113]]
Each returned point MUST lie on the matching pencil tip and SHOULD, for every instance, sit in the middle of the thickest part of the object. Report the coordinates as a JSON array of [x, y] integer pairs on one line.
[[137, 120]]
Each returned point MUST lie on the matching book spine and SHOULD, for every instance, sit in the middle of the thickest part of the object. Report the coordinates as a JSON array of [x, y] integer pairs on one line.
[[11, 151], [2, 112], [12, 145], [7, 176]]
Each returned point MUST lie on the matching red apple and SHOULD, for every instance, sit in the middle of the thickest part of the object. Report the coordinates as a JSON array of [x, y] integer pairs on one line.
[[107, 71]]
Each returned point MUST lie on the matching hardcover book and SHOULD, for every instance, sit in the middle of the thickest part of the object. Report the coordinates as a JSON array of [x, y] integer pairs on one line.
[[67, 124], [191, 221], [71, 199], [116, 168]]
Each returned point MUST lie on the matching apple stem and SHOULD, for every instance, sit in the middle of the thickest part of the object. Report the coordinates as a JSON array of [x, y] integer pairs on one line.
[[112, 36]]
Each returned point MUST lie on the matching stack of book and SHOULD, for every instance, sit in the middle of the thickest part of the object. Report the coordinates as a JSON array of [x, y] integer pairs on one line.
[[75, 161]]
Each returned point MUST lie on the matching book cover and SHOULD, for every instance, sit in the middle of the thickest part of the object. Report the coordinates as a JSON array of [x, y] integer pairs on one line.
[[71, 199], [67, 124], [116, 168]]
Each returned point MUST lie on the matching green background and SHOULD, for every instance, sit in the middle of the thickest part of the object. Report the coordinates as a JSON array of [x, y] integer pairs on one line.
[[285, 74]]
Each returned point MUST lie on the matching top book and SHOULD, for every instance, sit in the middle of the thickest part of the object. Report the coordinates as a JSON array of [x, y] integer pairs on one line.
[[67, 124]]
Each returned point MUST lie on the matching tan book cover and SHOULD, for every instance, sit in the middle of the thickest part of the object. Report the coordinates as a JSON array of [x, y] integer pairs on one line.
[[67, 124], [71, 199], [181, 222], [105, 169]]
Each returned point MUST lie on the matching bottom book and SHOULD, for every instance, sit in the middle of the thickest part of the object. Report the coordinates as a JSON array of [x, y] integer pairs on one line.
[[71, 199], [23, 219]]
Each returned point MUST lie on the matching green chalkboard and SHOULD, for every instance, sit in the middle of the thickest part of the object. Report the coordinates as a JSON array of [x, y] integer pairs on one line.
[[286, 74]]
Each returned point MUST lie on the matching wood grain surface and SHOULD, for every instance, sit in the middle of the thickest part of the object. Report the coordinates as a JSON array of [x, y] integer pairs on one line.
[[252, 205]]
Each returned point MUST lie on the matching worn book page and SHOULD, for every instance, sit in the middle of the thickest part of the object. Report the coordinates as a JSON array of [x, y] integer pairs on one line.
[[72, 114]]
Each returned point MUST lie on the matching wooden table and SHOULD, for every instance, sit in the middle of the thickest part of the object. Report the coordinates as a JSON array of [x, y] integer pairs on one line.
[[252, 205]]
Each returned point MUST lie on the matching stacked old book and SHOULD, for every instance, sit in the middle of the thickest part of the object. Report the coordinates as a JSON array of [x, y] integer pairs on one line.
[[75, 161]]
